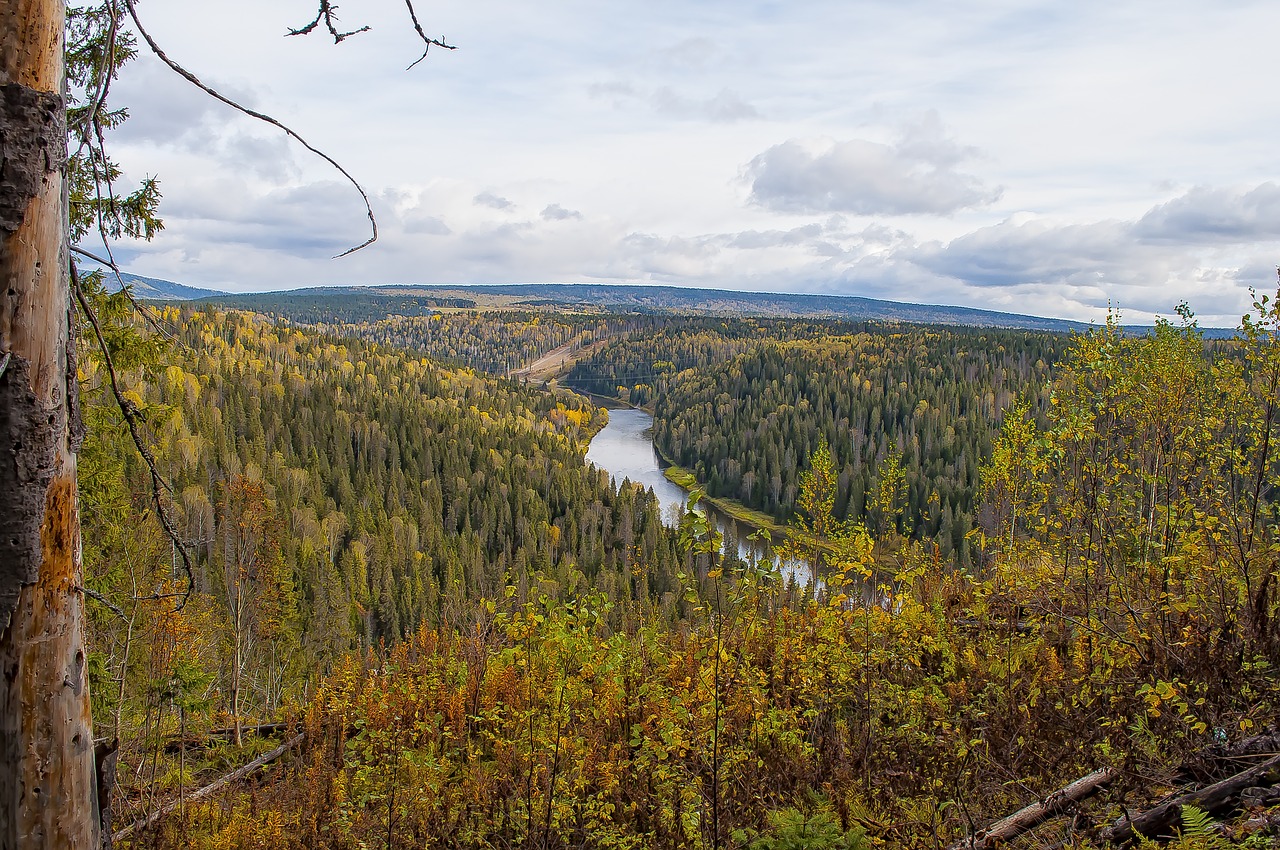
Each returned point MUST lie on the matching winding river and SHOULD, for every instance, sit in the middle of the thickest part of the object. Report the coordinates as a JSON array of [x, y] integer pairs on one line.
[[624, 449]]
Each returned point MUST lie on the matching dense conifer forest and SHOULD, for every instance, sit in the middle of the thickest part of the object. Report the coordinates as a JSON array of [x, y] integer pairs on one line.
[[742, 405], [333, 497], [1044, 558], [329, 570]]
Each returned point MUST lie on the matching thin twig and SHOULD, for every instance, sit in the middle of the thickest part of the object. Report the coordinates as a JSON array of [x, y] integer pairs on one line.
[[195, 81], [426, 40], [130, 412], [329, 14]]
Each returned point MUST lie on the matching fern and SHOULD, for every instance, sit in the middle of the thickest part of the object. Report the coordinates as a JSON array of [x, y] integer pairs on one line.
[[1198, 829]]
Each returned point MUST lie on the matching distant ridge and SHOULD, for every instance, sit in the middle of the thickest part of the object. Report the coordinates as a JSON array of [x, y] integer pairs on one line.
[[315, 305], [154, 289], [679, 299], [418, 299]]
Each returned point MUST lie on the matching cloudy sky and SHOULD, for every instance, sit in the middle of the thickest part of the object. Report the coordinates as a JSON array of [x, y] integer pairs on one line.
[[1050, 158]]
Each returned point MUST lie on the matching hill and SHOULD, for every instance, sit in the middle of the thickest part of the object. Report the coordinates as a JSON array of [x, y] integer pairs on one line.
[[155, 289], [416, 300]]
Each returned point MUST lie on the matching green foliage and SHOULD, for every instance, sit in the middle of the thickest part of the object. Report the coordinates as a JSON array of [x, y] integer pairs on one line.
[[793, 829], [335, 497], [519, 654], [1198, 831], [97, 46], [748, 400]]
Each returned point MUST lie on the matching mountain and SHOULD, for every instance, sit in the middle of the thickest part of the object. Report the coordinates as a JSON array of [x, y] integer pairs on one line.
[[154, 289], [680, 299], [416, 300]]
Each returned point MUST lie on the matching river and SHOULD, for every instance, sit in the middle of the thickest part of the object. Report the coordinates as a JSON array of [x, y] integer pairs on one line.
[[624, 449]]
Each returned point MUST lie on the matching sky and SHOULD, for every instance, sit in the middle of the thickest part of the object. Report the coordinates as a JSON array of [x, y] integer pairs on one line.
[[1051, 158]]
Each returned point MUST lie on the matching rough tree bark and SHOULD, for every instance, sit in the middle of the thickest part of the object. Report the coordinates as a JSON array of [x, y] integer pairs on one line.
[[1217, 798], [47, 796], [1028, 818]]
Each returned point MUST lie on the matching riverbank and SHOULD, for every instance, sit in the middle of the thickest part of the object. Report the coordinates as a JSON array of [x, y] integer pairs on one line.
[[757, 520], [687, 481]]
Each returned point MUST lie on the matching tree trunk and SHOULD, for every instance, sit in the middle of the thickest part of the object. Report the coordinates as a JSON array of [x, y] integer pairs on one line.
[[1059, 801], [47, 796], [236, 676], [1215, 799]]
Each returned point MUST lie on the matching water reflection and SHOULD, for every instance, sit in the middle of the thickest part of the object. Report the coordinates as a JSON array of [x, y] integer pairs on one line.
[[624, 449]]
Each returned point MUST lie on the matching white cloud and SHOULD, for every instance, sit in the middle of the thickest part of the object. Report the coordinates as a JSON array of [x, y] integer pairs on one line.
[[1215, 215], [913, 175], [1048, 191], [489, 199], [555, 212]]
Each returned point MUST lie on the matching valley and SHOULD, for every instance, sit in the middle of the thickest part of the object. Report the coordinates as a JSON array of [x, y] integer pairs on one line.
[[810, 426], [477, 602]]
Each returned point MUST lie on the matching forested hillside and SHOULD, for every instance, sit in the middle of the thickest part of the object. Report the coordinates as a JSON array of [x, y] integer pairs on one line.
[[497, 342], [469, 639], [1098, 644], [691, 302], [743, 404], [333, 496], [367, 567], [495, 339]]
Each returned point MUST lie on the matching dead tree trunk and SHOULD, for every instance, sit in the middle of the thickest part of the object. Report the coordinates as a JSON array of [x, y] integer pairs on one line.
[[1215, 799], [1058, 802], [210, 789], [47, 796]]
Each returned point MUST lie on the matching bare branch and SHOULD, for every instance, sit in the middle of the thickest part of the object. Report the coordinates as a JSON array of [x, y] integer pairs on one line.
[[147, 315], [426, 40], [329, 14], [99, 598], [195, 81], [131, 416]]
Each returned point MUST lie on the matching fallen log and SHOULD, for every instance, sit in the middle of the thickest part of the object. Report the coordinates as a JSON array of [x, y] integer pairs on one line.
[[213, 736], [210, 789], [1207, 765], [1221, 796], [1037, 813]]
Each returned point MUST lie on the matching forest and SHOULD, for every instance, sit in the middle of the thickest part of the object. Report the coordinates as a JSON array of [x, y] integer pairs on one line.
[[331, 569], [742, 404], [436, 626]]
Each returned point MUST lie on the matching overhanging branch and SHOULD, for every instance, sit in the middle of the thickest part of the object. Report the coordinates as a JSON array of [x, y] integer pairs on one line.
[[195, 81]]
